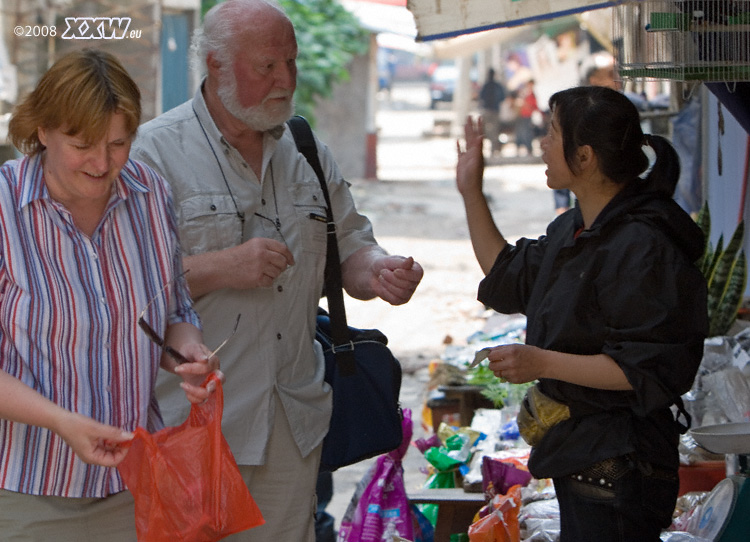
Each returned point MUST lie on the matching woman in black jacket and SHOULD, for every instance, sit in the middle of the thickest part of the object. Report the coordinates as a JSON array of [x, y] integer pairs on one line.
[[616, 314]]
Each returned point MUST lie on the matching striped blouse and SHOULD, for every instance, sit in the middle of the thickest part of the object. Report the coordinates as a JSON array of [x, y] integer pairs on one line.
[[69, 306]]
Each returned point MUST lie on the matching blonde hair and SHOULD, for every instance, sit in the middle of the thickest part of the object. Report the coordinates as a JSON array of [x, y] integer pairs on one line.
[[78, 94]]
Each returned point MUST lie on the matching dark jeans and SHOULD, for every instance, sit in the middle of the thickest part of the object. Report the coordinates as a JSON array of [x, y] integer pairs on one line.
[[616, 500], [491, 121], [324, 522], [525, 133]]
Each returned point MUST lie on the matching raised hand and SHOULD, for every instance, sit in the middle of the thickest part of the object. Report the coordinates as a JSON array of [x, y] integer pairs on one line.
[[470, 166]]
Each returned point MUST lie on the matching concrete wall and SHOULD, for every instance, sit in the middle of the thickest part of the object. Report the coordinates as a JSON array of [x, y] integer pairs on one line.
[[341, 121], [725, 186]]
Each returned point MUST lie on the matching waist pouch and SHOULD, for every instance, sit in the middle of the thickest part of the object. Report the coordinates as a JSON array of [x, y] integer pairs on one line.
[[538, 413]]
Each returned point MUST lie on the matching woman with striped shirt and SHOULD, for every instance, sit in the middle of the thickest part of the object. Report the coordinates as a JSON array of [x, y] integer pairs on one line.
[[87, 242]]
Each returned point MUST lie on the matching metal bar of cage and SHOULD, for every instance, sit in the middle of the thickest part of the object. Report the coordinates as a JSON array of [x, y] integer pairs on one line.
[[683, 40]]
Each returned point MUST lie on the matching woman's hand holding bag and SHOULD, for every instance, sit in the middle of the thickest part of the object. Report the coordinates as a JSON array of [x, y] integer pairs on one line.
[[185, 481]]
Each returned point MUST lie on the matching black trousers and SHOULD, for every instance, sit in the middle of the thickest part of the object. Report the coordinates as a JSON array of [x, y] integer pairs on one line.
[[616, 500]]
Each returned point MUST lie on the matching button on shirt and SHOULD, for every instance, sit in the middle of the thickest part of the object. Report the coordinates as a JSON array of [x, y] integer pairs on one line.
[[274, 351], [68, 311]]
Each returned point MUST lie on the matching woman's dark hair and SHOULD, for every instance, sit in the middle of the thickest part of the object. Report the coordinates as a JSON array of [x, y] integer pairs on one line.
[[609, 123]]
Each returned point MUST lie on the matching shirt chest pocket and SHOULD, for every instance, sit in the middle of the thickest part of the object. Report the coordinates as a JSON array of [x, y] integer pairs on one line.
[[309, 204], [209, 223]]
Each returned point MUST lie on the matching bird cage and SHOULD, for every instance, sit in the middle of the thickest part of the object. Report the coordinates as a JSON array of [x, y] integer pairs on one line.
[[683, 40]]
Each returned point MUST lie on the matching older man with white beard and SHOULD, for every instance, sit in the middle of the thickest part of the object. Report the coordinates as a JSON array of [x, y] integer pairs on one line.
[[249, 208]]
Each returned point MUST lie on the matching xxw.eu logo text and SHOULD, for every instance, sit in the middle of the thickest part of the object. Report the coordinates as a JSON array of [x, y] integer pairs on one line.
[[99, 28]]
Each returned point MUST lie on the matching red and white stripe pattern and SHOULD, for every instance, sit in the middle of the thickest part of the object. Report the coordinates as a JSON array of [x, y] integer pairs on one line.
[[69, 306]]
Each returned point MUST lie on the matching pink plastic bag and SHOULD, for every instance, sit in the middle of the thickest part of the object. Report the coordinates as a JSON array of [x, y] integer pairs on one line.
[[380, 508]]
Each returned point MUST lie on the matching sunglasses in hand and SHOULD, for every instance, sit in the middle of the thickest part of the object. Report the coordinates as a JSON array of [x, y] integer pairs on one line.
[[157, 339]]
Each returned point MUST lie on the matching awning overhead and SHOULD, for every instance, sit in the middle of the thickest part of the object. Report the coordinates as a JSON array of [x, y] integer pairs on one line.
[[471, 44], [438, 19], [400, 42], [391, 22], [383, 16]]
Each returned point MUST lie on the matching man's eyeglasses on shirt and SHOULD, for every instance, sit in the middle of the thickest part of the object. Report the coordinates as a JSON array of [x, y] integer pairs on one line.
[[276, 224], [159, 340]]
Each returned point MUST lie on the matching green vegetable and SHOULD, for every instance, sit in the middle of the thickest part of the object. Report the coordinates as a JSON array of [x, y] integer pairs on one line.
[[498, 390]]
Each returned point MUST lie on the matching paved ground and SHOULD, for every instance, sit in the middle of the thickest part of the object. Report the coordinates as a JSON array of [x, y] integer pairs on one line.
[[416, 210]]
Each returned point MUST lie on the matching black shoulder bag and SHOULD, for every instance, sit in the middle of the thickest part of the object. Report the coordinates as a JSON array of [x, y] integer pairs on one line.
[[364, 375]]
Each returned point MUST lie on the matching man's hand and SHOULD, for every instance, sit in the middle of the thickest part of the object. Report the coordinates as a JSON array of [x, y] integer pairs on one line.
[[396, 278], [371, 272], [257, 262]]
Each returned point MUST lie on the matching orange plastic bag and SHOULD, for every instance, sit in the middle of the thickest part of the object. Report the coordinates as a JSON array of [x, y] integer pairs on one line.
[[185, 481], [500, 525]]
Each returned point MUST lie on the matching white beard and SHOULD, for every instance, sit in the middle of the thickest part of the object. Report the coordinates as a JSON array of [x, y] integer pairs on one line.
[[258, 117]]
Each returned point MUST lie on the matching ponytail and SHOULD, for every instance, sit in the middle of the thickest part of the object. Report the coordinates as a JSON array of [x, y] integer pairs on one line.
[[608, 121], [663, 177]]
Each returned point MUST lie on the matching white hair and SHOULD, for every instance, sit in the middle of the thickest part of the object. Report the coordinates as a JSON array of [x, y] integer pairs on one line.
[[219, 29]]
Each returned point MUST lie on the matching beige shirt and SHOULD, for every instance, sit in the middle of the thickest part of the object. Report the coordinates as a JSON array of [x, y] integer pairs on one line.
[[274, 349]]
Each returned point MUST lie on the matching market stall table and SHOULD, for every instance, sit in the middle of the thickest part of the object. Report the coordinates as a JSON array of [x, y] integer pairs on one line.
[[456, 509], [469, 398]]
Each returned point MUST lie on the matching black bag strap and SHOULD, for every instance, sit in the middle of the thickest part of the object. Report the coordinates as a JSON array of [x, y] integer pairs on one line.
[[342, 345], [683, 427]]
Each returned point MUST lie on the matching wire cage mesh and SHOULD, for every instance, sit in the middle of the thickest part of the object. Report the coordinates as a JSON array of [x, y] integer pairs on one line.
[[683, 40]]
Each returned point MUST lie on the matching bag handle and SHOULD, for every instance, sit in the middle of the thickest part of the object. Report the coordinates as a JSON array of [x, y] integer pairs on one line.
[[342, 347]]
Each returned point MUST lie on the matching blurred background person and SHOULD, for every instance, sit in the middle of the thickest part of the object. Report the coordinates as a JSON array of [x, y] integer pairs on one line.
[[527, 108], [599, 73], [491, 95]]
